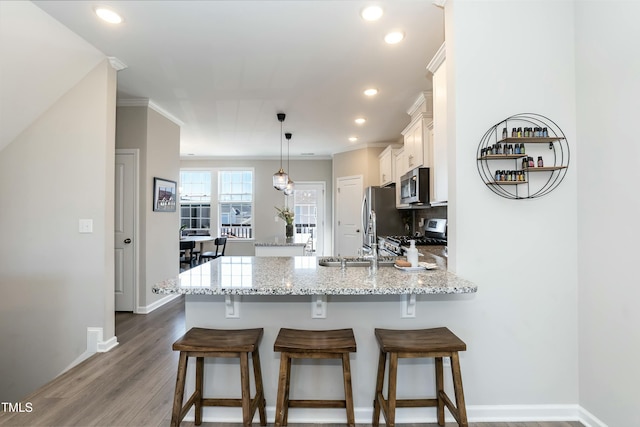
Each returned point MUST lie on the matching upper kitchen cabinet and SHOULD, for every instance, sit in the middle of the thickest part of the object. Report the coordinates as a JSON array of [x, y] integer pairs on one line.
[[438, 151], [388, 165], [416, 136], [400, 162]]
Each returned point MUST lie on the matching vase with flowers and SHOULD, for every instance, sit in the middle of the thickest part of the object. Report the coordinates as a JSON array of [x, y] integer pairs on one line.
[[287, 216]]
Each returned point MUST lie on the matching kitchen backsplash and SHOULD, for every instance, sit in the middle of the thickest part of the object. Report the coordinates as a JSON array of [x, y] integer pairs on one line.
[[435, 212]]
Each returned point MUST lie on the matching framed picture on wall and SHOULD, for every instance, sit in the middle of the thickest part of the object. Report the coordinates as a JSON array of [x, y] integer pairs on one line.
[[164, 195]]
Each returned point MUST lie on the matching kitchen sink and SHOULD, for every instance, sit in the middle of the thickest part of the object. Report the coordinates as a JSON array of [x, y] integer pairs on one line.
[[383, 261]]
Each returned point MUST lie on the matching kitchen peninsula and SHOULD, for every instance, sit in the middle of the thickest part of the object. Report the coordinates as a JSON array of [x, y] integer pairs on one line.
[[235, 292], [279, 247]]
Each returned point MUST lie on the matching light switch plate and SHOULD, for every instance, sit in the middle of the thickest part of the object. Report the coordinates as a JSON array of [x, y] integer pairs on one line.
[[85, 226]]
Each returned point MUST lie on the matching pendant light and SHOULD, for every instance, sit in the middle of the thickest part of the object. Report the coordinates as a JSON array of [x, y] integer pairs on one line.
[[289, 188], [280, 178]]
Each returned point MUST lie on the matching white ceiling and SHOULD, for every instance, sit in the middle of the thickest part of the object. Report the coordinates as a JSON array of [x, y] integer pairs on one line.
[[223, 69]]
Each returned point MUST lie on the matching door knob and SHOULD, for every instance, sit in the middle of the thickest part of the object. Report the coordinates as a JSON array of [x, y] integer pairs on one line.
[[127, 241]]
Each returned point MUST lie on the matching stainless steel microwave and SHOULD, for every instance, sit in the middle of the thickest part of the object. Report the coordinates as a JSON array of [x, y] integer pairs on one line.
[[414, 187]]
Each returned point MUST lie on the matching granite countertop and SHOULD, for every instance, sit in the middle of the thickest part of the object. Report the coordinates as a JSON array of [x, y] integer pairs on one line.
[[278, 242], [302, 275], [433, 253]]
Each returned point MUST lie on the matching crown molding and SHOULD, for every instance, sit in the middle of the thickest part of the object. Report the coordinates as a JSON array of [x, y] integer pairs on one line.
[[438, 58], [422, 104], [145, 102]]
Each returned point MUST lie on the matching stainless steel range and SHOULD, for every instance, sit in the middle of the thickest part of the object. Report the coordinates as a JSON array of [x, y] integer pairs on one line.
[[435, 233]]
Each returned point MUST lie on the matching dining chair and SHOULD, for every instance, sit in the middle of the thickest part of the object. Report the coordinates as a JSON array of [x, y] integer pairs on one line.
[[221, 244], [187, 253]]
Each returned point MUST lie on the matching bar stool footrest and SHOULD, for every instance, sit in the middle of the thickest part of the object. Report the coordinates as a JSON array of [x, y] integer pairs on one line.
[[416, 403], [226, 402], [300, 403]]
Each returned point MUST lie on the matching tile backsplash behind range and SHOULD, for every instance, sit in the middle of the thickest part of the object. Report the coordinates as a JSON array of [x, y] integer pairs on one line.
[[435, 212]]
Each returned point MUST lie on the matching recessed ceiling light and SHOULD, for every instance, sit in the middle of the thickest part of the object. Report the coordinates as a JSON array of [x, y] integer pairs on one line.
[[370, 92], [353, 138], [371, 13], [108, 15], [360, 120], [394, 37]]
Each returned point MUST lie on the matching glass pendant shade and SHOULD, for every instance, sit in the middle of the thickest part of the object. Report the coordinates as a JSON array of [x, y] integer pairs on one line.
[[289, 188], [280, 180]]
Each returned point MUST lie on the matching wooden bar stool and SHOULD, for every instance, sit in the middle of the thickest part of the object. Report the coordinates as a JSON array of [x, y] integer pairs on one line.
[[201, 343], [436, 343], [305, 344]]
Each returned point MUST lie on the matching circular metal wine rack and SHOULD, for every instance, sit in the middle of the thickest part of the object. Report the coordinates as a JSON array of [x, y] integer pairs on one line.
[[496, 153]]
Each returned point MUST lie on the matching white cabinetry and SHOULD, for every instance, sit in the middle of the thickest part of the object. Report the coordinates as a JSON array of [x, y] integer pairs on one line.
[[400, 161], [439, 163], [416, 149], [388, 166], [413, 148]]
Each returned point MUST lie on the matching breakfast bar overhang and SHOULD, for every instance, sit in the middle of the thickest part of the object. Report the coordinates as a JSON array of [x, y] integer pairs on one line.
[[235, 292]]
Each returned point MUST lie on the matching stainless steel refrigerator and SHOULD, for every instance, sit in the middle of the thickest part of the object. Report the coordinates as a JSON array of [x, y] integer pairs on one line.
[[382, 200]]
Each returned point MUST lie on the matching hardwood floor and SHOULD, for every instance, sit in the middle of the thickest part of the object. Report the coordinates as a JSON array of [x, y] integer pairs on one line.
[[132, 385]]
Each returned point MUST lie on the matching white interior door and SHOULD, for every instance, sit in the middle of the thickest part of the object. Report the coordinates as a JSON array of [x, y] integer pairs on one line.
[[126, 184], [348, 212]]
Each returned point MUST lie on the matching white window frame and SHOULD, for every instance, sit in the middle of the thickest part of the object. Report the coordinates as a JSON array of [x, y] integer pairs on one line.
[[239, 233], [197, 230]]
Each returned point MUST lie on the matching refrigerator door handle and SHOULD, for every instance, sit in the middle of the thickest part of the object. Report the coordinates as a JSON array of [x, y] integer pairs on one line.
[[363, 218]]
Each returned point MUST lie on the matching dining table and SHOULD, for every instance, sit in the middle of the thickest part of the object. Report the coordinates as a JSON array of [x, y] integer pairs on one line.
[[197, 239]]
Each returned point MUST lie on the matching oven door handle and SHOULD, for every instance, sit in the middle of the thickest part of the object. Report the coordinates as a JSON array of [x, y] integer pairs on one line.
[[386, 252]]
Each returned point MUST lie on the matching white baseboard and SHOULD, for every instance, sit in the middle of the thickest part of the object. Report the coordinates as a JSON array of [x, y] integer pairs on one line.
[[589, 420], [523, 413], [104, 346], [84, 356], [475, 413], [146, 309], [95, 344]]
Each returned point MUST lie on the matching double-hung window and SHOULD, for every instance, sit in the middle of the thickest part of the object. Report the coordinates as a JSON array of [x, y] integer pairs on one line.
[[235, 203], [195, 201]]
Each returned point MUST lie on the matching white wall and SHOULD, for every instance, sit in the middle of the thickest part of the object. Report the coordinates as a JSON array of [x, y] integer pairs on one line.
[[521, 328], [54, 281], [363, 161], [41, 61], [161, 241], [158, 140], [608, 103]]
